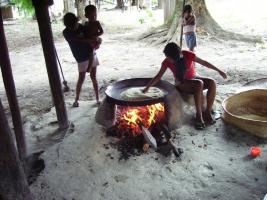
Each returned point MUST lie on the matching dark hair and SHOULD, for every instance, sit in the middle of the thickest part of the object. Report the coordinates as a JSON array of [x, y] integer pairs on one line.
[[173, 51], [90, 8], [70, 20], [187, 8]]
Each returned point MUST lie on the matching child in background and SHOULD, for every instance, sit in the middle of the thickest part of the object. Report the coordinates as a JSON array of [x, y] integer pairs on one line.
[[189, 27], [93, 29], [81, 49]]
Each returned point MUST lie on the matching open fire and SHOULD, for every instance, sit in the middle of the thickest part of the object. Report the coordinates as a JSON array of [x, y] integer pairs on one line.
[[141, 127], [139, 124], [129, 119]]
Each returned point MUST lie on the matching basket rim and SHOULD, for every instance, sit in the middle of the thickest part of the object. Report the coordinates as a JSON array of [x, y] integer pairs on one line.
[[238, 117]]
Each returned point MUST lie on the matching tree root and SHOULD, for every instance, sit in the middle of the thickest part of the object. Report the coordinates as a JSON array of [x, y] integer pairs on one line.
[[162, 36]]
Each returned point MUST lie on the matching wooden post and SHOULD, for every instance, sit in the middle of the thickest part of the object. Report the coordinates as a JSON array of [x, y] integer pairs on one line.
[[42, 15], [11, 93], [13, 183]]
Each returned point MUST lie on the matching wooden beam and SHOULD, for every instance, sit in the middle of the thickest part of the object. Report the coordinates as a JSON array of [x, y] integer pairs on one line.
[[13, 183], [42, 15], [11, 92]]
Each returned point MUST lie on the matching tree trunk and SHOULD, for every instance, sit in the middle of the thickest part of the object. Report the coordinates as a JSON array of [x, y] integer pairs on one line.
[[137, 3], [160, 4], [205, 23], [80, 5], [147, 4], [13, 184], [68, 6], [141, 4], [120, 4], [169, 8], [134, 2]]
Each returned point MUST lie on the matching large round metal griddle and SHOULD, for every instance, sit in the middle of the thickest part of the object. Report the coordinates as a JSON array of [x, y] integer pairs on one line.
[[114, 91]]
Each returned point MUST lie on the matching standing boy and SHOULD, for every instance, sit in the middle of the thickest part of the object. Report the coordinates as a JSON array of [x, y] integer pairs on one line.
[[189, 27], [93, 29], [81, 49]]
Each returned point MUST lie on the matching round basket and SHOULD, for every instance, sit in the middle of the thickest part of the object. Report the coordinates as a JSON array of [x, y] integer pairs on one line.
[[248, 111]]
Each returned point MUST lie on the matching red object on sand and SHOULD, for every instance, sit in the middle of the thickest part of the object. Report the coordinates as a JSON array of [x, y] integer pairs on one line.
[[255, 151]]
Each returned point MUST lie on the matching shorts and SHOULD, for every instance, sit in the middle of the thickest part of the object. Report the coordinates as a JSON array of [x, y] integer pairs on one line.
[[83, 66], [191, 40]]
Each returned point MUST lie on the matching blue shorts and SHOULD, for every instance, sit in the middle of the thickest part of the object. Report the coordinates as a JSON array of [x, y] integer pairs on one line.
[[191, 40]]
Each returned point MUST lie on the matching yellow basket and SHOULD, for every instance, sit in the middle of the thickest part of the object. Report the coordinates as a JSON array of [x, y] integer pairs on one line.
[[248, 111]]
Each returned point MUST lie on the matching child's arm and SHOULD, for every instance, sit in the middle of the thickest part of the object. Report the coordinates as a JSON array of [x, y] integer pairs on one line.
[[85, 40], [191, 20], [210, 66], [100, 29], [76, 38], [156, 79], [183, 21]]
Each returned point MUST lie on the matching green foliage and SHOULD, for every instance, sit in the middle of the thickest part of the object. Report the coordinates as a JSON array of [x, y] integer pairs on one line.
[[25, 5], [149, 13], [141, 20], [154, 3]]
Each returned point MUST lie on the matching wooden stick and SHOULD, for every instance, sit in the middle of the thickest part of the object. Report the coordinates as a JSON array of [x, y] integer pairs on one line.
[[13, 184], [11, 93], [181, 36], [43, 19]]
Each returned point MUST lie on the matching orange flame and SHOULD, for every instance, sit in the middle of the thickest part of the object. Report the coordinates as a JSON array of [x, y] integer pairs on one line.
[[129, 118]]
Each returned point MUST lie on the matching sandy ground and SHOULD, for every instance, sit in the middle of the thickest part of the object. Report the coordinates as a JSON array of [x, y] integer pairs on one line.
[[83, 165]]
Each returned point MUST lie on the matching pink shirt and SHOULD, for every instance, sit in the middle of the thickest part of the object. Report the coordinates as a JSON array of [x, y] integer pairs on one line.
[[189, 58]]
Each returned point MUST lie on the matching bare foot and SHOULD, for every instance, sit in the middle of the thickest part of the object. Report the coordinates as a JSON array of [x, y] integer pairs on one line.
[[75, 104], [208, 118], [199, 123]]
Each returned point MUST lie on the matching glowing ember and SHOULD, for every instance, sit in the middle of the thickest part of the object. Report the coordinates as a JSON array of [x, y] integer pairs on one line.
[[129, 118]]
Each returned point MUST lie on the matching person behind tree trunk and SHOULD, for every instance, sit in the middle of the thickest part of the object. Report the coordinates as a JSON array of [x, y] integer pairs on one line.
[[93, 30], [182, 65], [81, 49], [189, 27]]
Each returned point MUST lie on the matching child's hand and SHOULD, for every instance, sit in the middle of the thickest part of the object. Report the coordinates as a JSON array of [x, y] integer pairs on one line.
[[223, 74]]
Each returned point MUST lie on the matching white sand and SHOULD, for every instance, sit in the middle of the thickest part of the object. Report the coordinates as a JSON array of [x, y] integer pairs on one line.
[[215, 163]]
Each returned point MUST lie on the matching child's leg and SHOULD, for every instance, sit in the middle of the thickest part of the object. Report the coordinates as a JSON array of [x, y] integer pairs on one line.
[[95, 83], [79, 87], [191, 41], [195, 87], [210, 85], [98, 43], [91, 59], [186, 37]]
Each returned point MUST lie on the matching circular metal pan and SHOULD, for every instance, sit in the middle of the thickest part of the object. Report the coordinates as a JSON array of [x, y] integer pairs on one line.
[[114, 91]]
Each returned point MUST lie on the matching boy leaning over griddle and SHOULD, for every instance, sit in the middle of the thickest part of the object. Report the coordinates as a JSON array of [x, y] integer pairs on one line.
[[81, 49]]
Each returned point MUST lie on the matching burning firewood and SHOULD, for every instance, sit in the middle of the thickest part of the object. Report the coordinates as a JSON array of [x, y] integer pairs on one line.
[[149, 138]]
